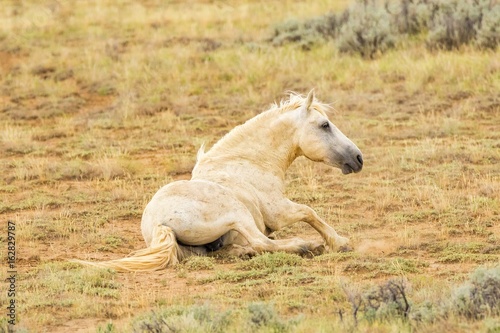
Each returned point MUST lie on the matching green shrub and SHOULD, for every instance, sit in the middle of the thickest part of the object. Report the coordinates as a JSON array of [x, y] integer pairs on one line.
[[371, 27], [368, 30], [263, 316], [412, 16], [257, 317], [455, 23], [307, 33], [426, 312], [480, 296], [190, 319], [384, 302], [488, 35]]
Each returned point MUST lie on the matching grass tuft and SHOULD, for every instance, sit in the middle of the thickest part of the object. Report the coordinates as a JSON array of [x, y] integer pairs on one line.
[[196, 263], [271, 261]]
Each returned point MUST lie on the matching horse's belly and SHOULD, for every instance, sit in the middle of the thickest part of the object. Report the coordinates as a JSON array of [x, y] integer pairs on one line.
[[198, 211]]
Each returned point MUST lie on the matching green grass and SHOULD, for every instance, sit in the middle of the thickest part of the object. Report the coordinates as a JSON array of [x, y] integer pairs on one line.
[[196, 263], [271, 261]]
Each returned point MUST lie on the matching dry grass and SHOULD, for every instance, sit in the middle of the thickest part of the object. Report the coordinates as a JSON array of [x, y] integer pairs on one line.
[[103, 102]]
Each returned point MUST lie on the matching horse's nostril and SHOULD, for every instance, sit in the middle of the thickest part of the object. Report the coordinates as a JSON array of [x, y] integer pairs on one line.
[[360, 159]]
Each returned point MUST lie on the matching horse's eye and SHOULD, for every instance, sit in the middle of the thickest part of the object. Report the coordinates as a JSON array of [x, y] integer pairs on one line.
[[325, 125]]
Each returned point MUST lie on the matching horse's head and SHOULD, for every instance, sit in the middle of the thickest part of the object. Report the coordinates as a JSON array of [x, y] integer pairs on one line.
[[319, 140]]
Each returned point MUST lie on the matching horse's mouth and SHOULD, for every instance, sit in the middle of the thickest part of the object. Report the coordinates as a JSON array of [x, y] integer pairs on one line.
[[347, 169]]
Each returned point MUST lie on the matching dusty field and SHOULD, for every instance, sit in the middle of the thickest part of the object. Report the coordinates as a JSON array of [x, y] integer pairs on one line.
[[103, 102]]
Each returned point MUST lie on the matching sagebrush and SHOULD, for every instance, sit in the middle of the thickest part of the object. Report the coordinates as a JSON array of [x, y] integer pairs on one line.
[[369, 28]]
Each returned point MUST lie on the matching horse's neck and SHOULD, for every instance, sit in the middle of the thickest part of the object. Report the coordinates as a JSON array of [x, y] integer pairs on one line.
[[266, 142]]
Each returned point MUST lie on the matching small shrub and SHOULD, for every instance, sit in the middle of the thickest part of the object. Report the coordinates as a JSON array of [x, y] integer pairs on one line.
[[256, 317], [427, 312], [412, 16], [480, 296], [191, 319], [450, 23], [367, 31], [307, 33], [263, 316], [152, 324], [384, 302], [454, 25], [369, 28], [488, 35]]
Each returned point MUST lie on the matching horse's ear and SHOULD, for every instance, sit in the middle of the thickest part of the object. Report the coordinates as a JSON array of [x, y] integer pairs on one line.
[[309, 100]]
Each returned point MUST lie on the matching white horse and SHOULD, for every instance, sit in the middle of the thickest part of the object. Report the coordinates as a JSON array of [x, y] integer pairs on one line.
[[235, 197]]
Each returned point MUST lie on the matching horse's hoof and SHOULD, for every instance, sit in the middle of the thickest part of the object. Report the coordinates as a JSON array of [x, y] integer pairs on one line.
[[249, 254], [345, 248], [243, 252], [318, 250], [313, 250], [341, 241]]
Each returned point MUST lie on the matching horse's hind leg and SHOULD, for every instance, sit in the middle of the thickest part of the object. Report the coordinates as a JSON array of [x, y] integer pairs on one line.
[[234, 250], [189, 251], [215, 245]]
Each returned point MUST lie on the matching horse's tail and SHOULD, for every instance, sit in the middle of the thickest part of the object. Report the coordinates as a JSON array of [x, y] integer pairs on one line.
[[163, 251]]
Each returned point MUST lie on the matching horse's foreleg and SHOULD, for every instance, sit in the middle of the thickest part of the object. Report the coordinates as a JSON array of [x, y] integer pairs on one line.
[[332, 238], [291, 212]]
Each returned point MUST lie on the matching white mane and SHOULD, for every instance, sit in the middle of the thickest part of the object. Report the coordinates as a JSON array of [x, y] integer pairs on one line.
[[242, 132], [295, 101]]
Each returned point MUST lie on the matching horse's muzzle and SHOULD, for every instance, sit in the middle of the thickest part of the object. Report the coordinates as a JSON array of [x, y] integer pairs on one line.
[[354, 166]]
